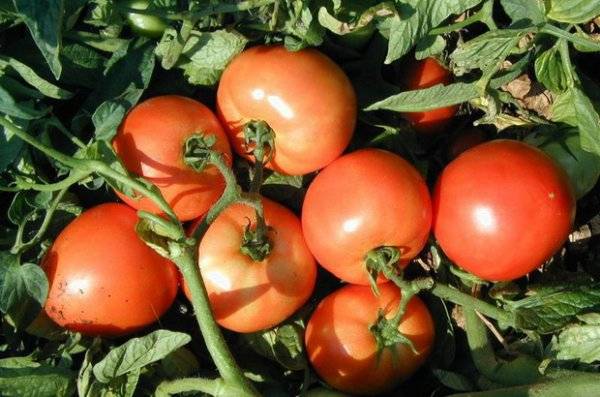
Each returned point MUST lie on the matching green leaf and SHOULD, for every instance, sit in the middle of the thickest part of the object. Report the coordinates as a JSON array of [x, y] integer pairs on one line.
[[180, 364], [579, 341], [524, 12], [44, 19], [12, 107], [453, 380], [32, 78], [205, 54], [487, 50], [551, 307], [10, 147], [430, 46], [573, 107], [283, 344], [334, 25], [39, 381], [23, 292], [136, 353], [573, 11], [427, 99], [549, 70], [417, 18], [128, 75], [81, 65]]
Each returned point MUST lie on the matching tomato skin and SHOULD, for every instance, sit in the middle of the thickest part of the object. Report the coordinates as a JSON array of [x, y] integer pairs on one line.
[[361, 201], [501, 209], [343, 351], [249, 296], [424, 74], [306, 99], [150, 142], [103, 279], [144, 25]]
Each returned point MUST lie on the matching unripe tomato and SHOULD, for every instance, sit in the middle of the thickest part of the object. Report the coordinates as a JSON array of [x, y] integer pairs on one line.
[[150, 142], [144, 25], [343, 350], [424, 74], [248, 295], [306, 99], [364, 200], [501, 209], [103, 279]]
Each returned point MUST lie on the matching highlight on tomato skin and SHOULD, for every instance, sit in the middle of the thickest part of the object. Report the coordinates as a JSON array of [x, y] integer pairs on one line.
[[364, 200], [424, 74], [150, 143], [343, 351], [501, 209], [104, 280], [249, 295], [303, 96]]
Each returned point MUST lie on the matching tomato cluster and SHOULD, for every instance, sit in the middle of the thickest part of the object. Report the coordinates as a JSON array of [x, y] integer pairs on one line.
[[499, 210]]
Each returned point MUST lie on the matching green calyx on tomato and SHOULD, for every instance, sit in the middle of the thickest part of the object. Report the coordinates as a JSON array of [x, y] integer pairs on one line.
[[197, 150], [382, 260], [255, 242], [259, 139], [583, 168], [143, 24]]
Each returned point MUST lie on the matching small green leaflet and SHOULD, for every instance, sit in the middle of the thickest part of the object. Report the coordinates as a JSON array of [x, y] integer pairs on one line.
[[549, 70], [524, 12], [33, 79], [579, 341], [44, 19], [453, 380], [36, 381], [283, 344], [430, 46], [573, 107], [487, 50], [573, 11], [136, 353], [555, 306], [429, 98], [417, 18]]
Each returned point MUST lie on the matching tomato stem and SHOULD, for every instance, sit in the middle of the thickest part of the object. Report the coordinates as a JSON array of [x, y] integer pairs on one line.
[[197, 150], [384, 260]]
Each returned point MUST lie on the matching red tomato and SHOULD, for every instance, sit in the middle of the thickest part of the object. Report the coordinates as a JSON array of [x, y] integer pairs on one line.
[[248, 296], [150, 142], [364, 200], [103, 279], [343, 350], [424, 74], [305, 98], [501, 209]]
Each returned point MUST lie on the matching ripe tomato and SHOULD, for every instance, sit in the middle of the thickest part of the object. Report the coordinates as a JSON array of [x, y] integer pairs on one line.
[[305, 98], [364, 200], [246, 295], [501, 209], [424, 74], [144, 25], [103, 279], [150, 142], [343, 350]]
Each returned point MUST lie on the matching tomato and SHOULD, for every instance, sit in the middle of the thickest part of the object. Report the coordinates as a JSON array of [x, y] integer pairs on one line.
[[248, 295], [144, 25], [103, 279], [501, 209], [364, 200], [343, 350], [306, 99], [150, 142], [582, 167], [424, 74]]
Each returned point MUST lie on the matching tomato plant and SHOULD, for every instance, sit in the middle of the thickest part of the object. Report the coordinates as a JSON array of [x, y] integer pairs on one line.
[[250, 294], [150, 141], [144, 25], [344, 351], [103, 279], [501, 209], [304, 97], [424, 74], [363, 201]]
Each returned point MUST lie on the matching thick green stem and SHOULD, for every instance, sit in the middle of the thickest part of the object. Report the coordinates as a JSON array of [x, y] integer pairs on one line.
[[215, 342], [522, 370], [573, 38], [577, 384], [73, 178], [460, 298], [21, 247], [213, 387]]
